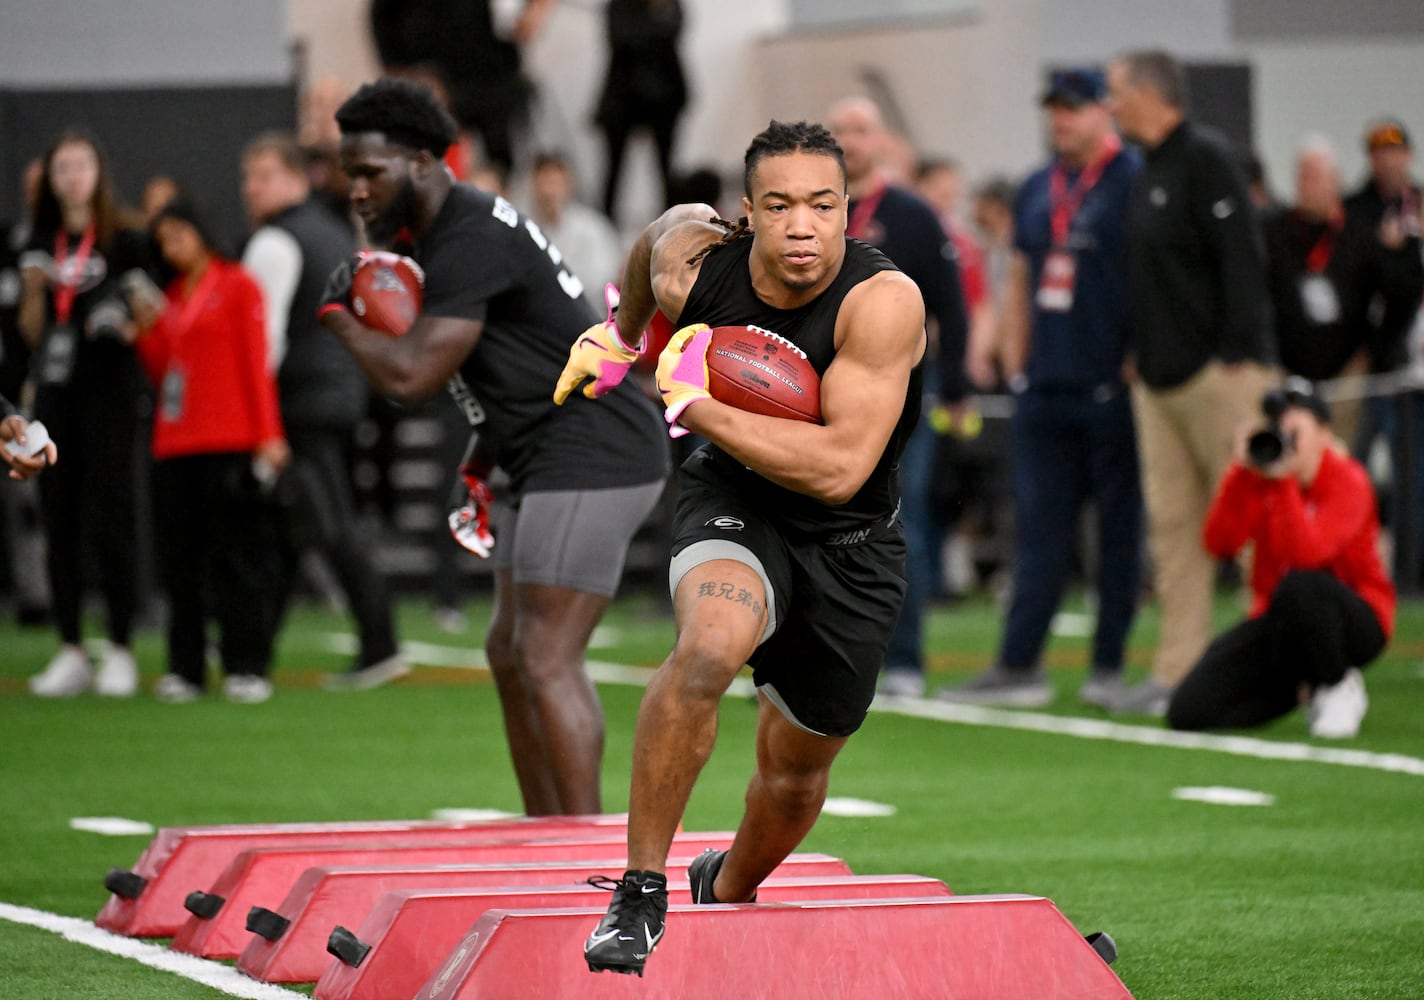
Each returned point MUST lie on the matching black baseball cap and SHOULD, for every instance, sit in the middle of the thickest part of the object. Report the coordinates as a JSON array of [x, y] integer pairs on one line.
[[1296, 393], [1073, 88]]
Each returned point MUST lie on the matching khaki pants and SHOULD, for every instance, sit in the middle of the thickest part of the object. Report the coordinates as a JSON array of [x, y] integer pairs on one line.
[[1184, 437]]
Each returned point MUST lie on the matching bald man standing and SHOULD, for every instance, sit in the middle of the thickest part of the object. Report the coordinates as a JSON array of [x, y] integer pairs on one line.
[[906, 229], [1327, 268], [1201, 340]]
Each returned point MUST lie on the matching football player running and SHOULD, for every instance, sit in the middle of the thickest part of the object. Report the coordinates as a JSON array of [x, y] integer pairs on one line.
[[499, 310], [787, 553]]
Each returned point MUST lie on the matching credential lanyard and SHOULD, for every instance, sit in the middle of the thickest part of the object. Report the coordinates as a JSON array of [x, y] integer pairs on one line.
[[70, 274], [864, 212], [1319, 257], [1066, 202], [189, 310]]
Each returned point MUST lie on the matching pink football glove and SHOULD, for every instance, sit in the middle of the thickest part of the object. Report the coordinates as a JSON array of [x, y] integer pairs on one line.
[[469, 523], [682, 373], [600, 353]]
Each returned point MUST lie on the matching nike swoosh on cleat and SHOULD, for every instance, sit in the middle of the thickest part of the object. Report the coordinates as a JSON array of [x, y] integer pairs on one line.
[[594, 940], [650, 889]]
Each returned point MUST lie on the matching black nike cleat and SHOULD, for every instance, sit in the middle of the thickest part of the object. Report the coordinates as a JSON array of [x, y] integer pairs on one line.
[[633, 925], [702, 873]]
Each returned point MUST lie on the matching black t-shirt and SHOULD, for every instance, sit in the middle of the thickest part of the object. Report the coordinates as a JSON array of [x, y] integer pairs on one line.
[[723, 296], [485, 262], [101, 358]]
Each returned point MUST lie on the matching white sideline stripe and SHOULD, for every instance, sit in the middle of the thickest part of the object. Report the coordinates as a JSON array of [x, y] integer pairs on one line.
[[222, 978], [975, 715], [1098, 729], [432, 655]]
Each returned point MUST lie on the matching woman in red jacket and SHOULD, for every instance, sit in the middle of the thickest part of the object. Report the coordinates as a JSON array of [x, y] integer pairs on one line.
[[217, 442], [1322, 605]]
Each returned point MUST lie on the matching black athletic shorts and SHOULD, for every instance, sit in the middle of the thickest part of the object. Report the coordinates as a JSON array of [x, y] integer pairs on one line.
[[833, 602]]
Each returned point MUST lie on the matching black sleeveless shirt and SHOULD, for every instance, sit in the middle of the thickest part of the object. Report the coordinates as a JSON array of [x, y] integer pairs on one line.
[[723, 296]]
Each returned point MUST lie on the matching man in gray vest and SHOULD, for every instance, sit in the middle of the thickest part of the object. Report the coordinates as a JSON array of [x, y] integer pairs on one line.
[[296, 244]]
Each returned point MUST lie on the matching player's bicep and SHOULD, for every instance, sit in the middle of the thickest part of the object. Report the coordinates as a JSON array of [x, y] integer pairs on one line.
[[863, 389]]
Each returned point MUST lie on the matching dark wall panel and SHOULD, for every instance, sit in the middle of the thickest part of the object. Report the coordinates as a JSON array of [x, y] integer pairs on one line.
[[1270, 20], [194, 134]]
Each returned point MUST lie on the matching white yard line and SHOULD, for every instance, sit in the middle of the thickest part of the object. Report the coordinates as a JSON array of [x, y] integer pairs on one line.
[[1100, 729], [999, 718], [222, 978]]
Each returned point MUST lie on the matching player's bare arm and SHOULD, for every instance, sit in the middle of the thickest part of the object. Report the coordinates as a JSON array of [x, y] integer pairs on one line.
[[880, 337], [655, 277], [414, 368]]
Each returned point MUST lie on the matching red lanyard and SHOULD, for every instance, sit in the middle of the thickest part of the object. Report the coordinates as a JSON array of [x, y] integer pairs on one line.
[[1319, 257], [70, 275], [864, 212], [188, 311], [1065, 203]]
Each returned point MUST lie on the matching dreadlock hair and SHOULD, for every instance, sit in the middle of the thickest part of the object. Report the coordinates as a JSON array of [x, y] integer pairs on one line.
[[777, 139], [406, 113], [782, 138], [735, 230]]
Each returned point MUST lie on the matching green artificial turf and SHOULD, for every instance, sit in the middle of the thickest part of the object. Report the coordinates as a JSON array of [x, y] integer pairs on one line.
[[1320, 895]]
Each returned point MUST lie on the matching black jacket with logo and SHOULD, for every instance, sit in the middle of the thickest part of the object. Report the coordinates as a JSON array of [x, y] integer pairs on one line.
[[1197, 273]]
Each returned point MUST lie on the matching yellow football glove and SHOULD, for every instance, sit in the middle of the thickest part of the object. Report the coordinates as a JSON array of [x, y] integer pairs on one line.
[[682, 372], [601, 354]]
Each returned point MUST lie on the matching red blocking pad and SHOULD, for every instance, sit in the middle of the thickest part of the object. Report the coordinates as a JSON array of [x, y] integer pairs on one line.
[[946, 948], [411, 933], [263, 876], [289, 944], [147, 900]]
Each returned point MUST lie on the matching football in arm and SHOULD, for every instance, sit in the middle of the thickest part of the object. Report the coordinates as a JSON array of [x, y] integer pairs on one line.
[[757, 371], [387, 291]]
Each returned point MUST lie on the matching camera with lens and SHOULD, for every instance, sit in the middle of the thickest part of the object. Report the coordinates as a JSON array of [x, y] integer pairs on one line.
[[1267, 446], [1270, 444]]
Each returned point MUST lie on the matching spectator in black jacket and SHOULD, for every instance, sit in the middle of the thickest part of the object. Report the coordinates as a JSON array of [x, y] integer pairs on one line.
[[1327, 270], [643, 88], [322, 393], [1200, 338], [1389, 190]]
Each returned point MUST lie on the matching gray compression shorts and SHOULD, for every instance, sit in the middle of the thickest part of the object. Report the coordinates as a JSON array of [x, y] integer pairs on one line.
[[576, 539]]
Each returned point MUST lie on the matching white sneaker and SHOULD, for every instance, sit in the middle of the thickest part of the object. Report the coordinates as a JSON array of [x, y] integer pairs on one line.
[[118, 674], [66, 675], [247, 689], [1336, 710], [392, 668], [897, 682], [174, 690]]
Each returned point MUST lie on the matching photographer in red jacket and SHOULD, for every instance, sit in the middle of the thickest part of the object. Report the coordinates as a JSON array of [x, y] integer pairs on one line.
[[1322, 605]]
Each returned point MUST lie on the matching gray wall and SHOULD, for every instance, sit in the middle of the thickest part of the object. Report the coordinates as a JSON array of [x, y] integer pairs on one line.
[[80, 43], [168, 86]]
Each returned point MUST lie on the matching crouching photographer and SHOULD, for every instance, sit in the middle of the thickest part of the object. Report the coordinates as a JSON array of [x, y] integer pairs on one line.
[[1322, 606]]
